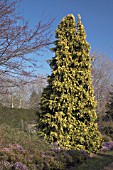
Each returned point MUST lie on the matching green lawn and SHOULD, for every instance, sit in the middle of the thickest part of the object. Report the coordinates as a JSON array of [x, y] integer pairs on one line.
[[99, 162], [15, 117]]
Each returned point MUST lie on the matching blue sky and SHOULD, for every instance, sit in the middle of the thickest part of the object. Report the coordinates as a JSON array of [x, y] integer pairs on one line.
[[97, 18]]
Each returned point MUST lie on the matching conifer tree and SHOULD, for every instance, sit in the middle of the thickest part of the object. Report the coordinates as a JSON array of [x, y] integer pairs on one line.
[[109, 107], [67, 104]]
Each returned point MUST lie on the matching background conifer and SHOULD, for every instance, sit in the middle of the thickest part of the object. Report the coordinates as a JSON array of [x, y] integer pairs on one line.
[[109, 107]]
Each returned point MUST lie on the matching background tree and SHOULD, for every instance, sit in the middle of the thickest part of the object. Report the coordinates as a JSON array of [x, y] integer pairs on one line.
[[19, 96], [109, 107], [35, 90], [17, 40], [102, 69], [34, 100], [67, 105]]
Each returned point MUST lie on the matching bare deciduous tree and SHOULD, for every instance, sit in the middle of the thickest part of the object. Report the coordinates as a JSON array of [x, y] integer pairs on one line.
[[19, 96], [17, 40], [102, 69]]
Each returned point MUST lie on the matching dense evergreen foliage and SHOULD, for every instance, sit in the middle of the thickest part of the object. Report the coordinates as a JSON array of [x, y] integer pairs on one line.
[[67, 105], [109, 107]]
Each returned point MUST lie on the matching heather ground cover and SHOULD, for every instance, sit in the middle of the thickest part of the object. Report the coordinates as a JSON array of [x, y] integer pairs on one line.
[[21, 148]]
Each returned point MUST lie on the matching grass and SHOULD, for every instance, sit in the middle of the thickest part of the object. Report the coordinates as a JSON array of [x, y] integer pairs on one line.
[[99, 162], [14, 129], [15, 117], [24, 138]]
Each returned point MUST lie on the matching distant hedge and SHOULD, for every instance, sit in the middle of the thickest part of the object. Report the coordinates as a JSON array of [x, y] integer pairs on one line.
[[14, 117]]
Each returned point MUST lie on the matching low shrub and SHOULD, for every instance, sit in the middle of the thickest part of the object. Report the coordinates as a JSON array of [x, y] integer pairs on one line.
[[15, 157], [106, 128], [74, 157], [106, 138]]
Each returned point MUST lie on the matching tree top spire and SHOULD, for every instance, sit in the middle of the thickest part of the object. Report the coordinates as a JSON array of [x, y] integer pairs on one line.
[[81, 30], [79, 17]]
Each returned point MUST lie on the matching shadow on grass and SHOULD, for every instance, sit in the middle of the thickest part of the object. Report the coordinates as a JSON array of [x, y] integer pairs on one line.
[[96, 163]]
